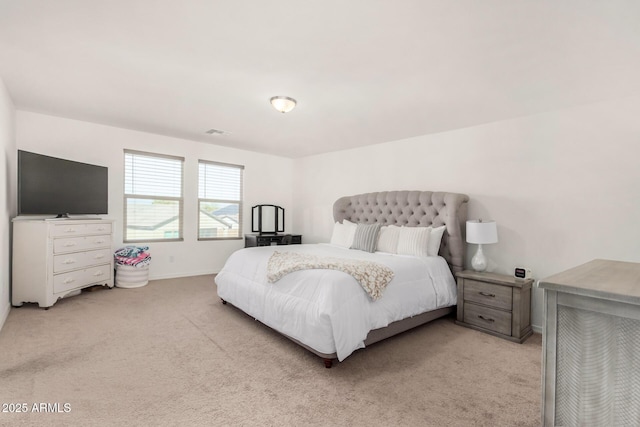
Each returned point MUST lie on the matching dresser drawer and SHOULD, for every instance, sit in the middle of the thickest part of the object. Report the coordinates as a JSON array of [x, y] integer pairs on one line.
[[488, 318], [77, 260], [80, 278], [61, 230], [73, 244], [488, 294]]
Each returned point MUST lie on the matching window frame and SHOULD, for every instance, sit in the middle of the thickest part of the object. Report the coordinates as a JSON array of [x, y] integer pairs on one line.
[[127, 196], [239, 202]]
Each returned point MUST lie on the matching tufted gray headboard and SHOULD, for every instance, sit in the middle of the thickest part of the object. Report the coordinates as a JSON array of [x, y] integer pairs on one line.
[[413, 209]]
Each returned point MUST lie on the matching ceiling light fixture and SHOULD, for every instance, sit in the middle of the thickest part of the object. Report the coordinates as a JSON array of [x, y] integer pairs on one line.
[[284, 104]]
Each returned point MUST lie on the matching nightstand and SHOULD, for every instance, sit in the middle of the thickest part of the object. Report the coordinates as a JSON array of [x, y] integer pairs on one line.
[[496, 304]]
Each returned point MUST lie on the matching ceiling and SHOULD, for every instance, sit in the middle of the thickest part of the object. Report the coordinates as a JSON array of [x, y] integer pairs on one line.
[[363, 71]]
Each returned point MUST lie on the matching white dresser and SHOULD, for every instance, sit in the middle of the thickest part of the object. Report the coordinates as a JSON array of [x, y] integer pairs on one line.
[[591, 346], [53, 258]]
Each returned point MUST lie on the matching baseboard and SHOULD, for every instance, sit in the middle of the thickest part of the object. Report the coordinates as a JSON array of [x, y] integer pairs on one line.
[[4, 313], [178, 275], [537, 329]]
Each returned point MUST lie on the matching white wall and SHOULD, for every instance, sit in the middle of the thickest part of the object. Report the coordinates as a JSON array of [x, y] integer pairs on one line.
[[267, 179], [562, 186], [7, 194]]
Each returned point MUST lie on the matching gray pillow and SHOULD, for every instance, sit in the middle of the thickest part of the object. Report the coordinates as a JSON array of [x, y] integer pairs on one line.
[[366, 237]]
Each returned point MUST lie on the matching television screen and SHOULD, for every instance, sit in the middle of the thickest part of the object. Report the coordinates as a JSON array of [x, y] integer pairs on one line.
[[48, 186]]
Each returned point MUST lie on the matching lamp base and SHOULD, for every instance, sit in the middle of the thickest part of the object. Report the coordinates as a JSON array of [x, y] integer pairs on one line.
[[479, 261]]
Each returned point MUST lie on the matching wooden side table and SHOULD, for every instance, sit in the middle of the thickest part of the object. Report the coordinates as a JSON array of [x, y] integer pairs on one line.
[[496, 304]]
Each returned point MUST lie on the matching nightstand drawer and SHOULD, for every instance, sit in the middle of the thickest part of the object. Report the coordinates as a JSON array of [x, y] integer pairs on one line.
[[488, 318], [488, 294]]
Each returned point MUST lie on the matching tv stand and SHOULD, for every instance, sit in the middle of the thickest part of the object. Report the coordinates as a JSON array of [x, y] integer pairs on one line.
[[56, 259]]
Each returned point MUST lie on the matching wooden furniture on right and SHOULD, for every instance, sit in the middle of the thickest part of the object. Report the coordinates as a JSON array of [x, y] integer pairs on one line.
[[496, 304], [591, 345], [252, 240], [55, 258]]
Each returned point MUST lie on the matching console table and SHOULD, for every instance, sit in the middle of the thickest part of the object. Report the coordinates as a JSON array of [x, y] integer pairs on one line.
[[251, 240], [591, 343]]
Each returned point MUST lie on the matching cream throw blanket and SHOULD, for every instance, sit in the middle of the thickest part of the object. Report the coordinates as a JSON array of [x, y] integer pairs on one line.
[[373, 277]]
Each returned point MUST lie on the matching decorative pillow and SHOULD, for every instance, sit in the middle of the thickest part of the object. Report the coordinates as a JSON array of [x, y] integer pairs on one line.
[[388, 239], [366, 237], [343, 233], [434, 240], [414, 241]]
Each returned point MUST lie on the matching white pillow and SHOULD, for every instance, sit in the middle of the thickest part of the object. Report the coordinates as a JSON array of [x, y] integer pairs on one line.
[[414, 241], [388, 239], [434, 240], [343, 233]]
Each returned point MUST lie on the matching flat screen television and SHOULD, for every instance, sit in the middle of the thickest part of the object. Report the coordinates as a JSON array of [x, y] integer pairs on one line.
[[51, 186]]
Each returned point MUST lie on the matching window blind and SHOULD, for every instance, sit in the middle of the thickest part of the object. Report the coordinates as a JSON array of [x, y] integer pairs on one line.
[[153, 189], [219, 200]]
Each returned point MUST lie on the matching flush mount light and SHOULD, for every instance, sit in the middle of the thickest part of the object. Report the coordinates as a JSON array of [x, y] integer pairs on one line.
[[284, 104]]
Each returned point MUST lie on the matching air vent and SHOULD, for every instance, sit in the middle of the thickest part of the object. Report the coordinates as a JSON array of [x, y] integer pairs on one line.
[[217, 132]]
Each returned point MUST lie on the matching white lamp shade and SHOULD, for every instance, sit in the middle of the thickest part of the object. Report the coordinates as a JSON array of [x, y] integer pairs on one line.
[[482, 232], [284, 104]]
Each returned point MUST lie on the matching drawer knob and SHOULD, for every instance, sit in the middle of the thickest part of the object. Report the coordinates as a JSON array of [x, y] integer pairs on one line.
[[69, 261], [99, 241], [98, 273], [486, 319], [69, 280], [69, 230], [69, 244], [487, 294]]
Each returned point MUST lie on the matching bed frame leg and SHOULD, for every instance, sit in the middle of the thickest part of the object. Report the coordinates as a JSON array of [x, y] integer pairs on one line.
[[223, 301], [328, 363]]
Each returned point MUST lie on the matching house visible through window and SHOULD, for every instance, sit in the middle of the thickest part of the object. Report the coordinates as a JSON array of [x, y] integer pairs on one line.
[[219, 200], [152, 197]]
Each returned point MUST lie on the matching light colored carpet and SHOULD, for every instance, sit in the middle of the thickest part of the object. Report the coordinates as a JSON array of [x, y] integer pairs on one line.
[[171, 354]]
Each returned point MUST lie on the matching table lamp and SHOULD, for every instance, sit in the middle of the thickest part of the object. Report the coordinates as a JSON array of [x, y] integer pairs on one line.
[[481, 233]]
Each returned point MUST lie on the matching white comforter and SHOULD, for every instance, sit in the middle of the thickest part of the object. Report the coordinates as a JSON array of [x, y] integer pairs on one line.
[[327, 309]]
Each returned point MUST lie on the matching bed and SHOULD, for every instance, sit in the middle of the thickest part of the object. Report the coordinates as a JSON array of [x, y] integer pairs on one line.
[[326, 310]]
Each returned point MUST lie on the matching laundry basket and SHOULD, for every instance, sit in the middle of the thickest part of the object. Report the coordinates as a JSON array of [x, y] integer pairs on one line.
[[132, 266], [131, 277]]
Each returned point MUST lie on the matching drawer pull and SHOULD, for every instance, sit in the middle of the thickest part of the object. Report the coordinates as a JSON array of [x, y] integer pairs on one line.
[[70, 230], [486, 319], [69, 261], [98, 273], [99, 256], [69, 244], [99, 241], [100, 228], [487, 294], [69, 280]]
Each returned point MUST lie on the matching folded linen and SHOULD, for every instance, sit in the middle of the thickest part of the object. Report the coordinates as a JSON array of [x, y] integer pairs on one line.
[[131, 251], [134, 256], [143, 259]]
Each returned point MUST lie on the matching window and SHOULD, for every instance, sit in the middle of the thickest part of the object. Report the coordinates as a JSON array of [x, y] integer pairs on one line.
[[219, 200], [152, 197]]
